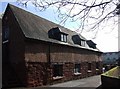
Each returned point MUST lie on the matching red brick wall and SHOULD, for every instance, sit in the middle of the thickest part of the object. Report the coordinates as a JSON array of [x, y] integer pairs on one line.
[[37, 56], [68, 71], [36, 51], [38, 74], [60, 53]]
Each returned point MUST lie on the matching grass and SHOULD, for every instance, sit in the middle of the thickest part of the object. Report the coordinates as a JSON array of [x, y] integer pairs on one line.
[[114, 72]]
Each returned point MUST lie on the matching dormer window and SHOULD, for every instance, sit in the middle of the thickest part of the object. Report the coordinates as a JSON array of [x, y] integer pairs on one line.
[[79, 40], [63, 37], [57, 34], [91, 44]]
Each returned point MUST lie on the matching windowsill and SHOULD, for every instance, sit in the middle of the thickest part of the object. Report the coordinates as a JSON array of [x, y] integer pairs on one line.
[[5, 41], [89, 71], [63, 41], [57, 77], [77, 73], [97, 69]]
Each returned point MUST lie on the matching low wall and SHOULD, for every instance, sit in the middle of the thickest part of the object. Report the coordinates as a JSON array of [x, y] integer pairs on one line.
[[111, 78], [110, 82]]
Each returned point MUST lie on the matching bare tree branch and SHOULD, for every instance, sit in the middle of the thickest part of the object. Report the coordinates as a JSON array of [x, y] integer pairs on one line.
[[91, 13]]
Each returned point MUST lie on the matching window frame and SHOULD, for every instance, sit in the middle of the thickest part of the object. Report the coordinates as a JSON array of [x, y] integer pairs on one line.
[[97, 65], [5, 37], [83, 43], [57, 73], [89, 66], [63, 37], [77, 68]]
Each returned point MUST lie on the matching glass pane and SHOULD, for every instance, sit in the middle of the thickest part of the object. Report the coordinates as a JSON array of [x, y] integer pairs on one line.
[[62, 39], [82, 43], [57, 70], [77, 68], [89, 66], [5, 33], [97, 65]]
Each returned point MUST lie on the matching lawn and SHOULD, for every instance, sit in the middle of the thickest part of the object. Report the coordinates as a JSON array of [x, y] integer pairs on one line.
[[114, 72]]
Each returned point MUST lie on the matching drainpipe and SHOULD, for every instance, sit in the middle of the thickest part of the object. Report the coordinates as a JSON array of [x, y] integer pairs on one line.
[[49, 63], [49, 60]]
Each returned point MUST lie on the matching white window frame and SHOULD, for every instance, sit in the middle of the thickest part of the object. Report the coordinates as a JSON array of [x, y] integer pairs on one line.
[[78, 72], [82, 43], [63, 38]]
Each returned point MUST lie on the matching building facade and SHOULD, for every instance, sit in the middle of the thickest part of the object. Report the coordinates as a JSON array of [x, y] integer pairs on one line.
[[38, 52]]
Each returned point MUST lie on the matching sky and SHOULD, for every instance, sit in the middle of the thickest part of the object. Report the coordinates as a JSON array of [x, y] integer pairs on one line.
[[106, 39]]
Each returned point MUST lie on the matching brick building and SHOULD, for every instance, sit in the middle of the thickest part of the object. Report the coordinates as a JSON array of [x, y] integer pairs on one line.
[[38, 52]]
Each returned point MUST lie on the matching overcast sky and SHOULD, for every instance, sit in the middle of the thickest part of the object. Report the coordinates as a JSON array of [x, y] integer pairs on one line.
[[106, 39]]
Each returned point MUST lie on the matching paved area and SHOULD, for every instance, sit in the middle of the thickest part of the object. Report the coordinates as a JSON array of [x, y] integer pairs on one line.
[[88, 82], [93, 81]]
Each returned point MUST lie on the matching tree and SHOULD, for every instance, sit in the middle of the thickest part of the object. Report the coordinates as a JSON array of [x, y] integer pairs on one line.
[[90, 14]]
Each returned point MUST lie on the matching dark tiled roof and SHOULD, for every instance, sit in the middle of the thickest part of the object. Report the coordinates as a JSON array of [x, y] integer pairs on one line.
[[35, 27]]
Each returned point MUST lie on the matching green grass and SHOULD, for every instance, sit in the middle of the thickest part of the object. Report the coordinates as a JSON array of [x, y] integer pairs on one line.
[[114, 72]]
